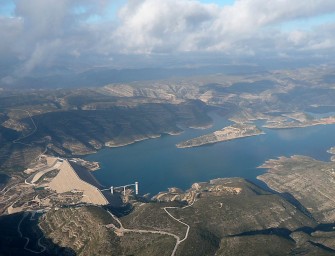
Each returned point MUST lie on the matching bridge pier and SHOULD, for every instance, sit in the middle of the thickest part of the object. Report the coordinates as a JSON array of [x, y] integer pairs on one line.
[[112, 188]]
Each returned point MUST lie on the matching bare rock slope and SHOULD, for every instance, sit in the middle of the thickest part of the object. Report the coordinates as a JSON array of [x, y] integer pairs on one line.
[[310, 181]]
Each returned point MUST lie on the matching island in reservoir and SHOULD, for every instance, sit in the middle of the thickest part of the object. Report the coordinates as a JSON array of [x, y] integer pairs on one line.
[[231, 132]]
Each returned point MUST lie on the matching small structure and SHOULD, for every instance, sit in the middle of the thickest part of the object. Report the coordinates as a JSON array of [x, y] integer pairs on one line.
[[112, 188]]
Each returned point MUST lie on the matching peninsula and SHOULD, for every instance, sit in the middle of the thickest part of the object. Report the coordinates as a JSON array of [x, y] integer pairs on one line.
[[231, 132], [298, 120]]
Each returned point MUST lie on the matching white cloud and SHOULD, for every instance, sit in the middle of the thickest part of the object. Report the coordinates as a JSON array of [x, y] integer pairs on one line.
[[297, 37], [10, 29], [43, 30], [182, 25], [173, 25]]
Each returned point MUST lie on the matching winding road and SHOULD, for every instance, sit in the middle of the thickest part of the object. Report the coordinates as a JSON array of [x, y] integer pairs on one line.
[[17, 141], [120, 230], [185, 224], [27, 238], [8, 188]]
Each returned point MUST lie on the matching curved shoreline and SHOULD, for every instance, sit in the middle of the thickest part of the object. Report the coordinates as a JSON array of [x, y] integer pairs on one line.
[[111, 144], [232, 132], [214, 142]]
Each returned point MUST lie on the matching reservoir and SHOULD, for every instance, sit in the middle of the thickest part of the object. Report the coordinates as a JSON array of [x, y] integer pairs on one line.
[[157, 164], [3, 180]]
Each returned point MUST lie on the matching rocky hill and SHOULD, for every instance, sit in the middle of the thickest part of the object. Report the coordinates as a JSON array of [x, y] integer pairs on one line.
[[80, 121], [225, 217], [310, 181], [67, 132]]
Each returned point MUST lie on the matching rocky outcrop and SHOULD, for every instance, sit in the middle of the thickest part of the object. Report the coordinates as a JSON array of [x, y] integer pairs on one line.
[[310, 181], [82, 229], [227, 217]]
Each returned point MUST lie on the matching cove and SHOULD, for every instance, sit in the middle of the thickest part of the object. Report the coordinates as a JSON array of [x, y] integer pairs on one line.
[[157, 164]]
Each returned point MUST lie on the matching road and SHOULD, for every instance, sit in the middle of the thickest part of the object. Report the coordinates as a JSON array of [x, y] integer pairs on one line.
[[17, 141], [29, 134], [27, 238], [8, 188], [185, 224], [120, 230], [38, 175]]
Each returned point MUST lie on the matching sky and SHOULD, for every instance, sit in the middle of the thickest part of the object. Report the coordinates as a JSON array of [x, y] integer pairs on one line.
[[55, 35]]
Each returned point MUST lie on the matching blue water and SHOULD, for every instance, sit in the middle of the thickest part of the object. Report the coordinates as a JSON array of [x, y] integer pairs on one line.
[[3, 180], [157, 164]]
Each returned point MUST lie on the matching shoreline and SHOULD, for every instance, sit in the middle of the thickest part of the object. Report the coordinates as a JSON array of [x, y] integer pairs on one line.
[[227, 133], [214, 142], [120, 144], [110, 144], [298, 125]]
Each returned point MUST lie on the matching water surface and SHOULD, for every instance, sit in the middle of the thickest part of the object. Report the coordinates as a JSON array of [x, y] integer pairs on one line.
[[4, 178], [157, 164]]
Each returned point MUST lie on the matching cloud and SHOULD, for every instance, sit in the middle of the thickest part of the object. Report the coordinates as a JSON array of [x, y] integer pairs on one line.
[[182, 25], [47, 28], [10, 30], [156, 26], [46, 32]]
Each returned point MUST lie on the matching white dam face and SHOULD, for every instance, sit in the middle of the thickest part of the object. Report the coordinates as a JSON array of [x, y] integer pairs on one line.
[[67, 180]]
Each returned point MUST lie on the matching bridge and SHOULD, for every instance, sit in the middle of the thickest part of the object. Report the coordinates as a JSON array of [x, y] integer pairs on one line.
[[112, 188]]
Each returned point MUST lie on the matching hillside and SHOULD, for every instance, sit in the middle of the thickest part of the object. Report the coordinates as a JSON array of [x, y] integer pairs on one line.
[[225, 217]]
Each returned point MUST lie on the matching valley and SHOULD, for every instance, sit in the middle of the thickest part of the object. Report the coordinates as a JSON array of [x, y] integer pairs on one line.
[[52, 192]]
